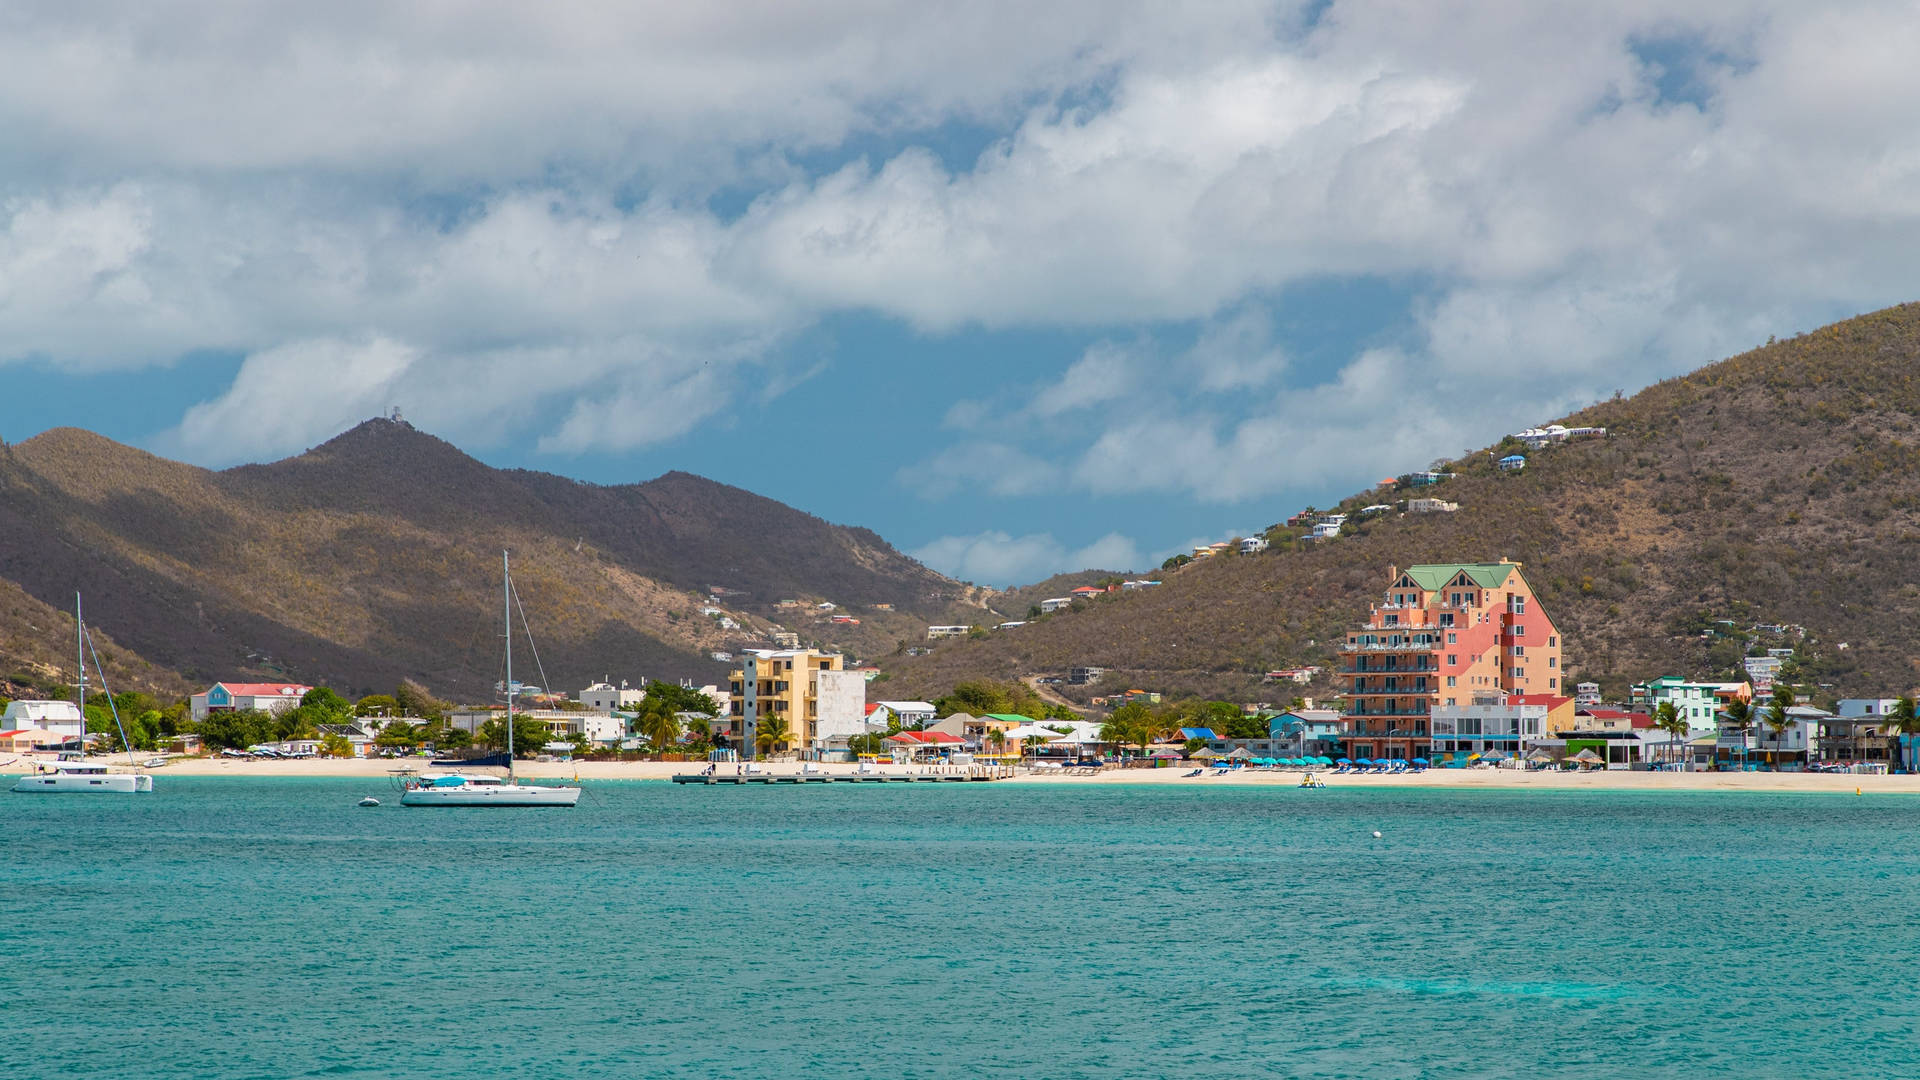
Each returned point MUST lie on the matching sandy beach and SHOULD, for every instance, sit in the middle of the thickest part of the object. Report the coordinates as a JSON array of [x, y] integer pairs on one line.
[[1433, 778]]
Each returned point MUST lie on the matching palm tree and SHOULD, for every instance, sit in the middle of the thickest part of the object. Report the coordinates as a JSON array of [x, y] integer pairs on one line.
[[1904, 722], [1668, 719], [998, 737], [772, 734], [660, 726], [1776, 718], [1738, 716]]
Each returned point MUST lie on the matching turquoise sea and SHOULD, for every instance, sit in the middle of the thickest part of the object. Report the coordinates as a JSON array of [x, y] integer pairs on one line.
[[269, 928]]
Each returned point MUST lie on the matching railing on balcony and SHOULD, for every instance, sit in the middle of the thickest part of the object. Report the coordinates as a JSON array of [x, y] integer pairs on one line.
[[1425, 646]]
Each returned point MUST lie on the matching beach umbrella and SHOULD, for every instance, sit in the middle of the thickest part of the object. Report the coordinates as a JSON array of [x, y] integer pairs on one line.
[[1421, 761], [1344, 761], [1323, 761], [1206, 752], [1587, 756], [1496, 755], [1241, 753]]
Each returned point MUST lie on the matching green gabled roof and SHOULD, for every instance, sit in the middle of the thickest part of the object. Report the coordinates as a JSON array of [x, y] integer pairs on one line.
[[1436, 576]]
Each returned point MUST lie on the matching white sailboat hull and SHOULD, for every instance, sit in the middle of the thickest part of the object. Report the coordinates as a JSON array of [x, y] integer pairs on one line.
[[491, 795], [61, 783]]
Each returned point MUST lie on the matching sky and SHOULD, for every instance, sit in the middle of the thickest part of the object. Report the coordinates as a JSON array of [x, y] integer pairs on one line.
[[1024, 288]]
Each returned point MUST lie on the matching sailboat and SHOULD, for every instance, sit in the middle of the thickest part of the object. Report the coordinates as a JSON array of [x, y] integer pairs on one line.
[[81, 775], [461, 789]]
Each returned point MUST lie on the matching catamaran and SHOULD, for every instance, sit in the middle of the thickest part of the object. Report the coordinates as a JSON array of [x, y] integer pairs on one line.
[[461, 789], [79, 774]]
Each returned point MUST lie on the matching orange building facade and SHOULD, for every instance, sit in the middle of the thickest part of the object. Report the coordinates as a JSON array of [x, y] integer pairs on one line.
[[1446, 632]]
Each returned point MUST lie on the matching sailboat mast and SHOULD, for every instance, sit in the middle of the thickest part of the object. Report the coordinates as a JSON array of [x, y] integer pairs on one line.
[[506, 619], [80, 658]]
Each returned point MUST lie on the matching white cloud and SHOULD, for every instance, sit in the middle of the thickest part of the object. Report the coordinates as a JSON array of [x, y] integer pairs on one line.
[[336, 383], [1001, 559], [517, 189], [995, 468]]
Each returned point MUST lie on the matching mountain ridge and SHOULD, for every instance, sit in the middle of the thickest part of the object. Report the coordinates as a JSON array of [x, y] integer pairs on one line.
[[1778, 487], [375, 557]]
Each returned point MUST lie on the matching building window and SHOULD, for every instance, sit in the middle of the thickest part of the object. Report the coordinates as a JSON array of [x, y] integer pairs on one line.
[[1453, 639], [1553, 684], [1551, 642], [1520, 631], [1517, 604], [1519, 650], [1517, 673], [1450, 683], [1553, 661]]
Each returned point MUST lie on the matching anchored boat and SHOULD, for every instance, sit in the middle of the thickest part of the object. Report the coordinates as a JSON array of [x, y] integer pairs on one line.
[[80, 776], [460, 789]]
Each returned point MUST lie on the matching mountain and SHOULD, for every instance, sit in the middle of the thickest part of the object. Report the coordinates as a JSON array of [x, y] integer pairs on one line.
[[376, 557], [1778, 488]]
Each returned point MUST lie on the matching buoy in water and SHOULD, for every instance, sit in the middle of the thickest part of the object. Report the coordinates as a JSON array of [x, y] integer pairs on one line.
[[1376, 834], [369, 801]]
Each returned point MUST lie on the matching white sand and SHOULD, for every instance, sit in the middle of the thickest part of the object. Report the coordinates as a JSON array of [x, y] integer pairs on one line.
[[1434, 778]]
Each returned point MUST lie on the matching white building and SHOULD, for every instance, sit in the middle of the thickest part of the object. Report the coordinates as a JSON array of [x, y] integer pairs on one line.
[[61, 718], [1863, 707], [935, 633], [604, 697], [1431, 506], [909, 713], [1488, 722], [1762, 671], [1055, 603], [1586, 695], [1253, 545], [273, 698], [841, 697]]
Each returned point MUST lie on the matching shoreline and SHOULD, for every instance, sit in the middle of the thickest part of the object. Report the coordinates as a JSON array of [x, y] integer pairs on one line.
[[1452, 779]]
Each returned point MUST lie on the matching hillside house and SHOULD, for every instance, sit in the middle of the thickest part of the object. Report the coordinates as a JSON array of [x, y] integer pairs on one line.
[[1133, 586], [273, 698], [1296, 675], [1010, 624], [1055, 603], [845, 620], [1586, 695], [935, 633], [1087, 591], [1512, 463], [1431, 506], [1762, 671], [1427, 478], [1253, 545]]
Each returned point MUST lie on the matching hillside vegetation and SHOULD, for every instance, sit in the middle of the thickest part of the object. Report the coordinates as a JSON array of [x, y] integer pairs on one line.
[[1778, 487], [376, 558]]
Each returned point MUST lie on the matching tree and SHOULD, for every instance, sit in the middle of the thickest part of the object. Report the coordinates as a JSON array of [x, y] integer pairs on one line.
[[865, 744], [771, 734], [529, 735], [397, 735], [1777, 719], [236, 730], [1738, 717], [659, 725], [376, 705], [323, 700], [677, 698], [998, 737], [336, 746], [1904, 723], [452, 738], [1668, 719], [413, 699]]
